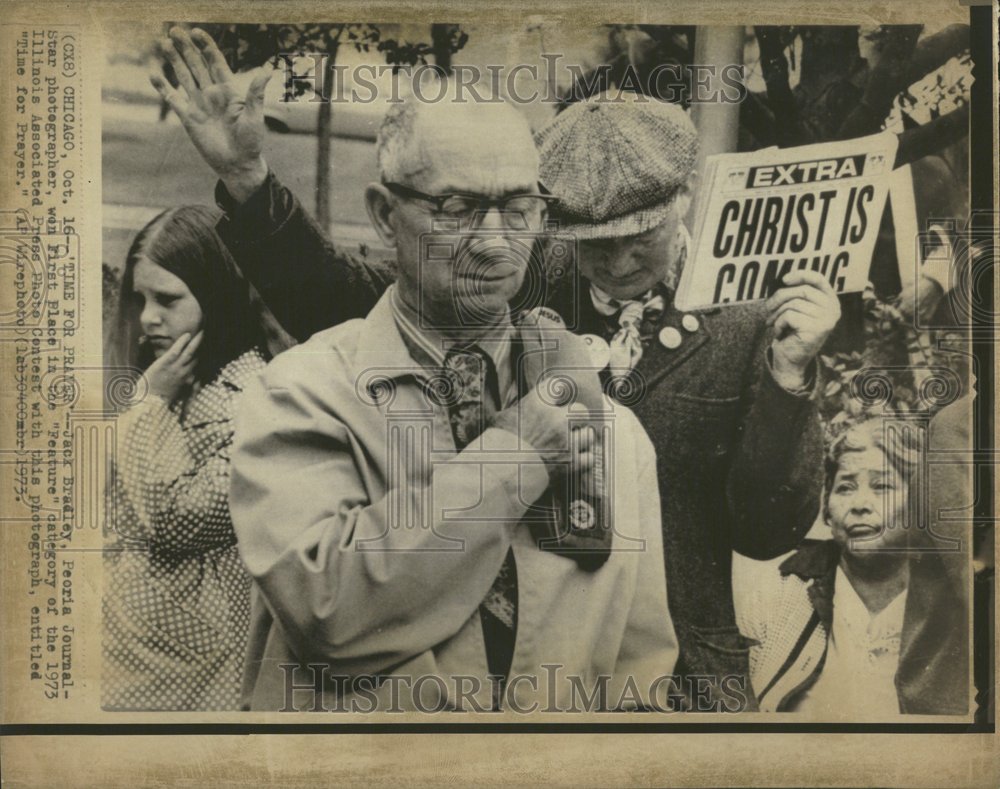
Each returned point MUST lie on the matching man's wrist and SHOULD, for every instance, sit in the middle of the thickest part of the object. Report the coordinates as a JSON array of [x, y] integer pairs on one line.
[[525, 480], [244, 181], [793, 378]]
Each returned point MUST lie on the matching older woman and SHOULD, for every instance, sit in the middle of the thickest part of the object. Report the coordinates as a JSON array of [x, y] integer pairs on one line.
[[870, 624]]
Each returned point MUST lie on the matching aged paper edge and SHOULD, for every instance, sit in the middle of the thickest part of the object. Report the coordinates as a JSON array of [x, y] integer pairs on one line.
[[560, 759]]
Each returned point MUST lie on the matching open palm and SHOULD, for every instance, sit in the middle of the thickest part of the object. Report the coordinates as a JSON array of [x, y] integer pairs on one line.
[[225, 123]]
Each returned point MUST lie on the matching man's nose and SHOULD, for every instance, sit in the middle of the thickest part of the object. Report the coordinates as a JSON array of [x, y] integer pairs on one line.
[[490, 219], [619, 264]]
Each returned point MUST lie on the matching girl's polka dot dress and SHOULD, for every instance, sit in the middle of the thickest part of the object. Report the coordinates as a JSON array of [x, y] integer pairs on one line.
[[176, 595]]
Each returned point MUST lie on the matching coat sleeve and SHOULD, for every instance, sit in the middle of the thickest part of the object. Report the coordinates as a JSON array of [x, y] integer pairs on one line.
[[178, 498], [649, 647], [353, 586], [774, 483], [307, 281]]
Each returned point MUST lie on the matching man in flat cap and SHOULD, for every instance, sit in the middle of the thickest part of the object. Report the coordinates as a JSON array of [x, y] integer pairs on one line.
[[726, 395]]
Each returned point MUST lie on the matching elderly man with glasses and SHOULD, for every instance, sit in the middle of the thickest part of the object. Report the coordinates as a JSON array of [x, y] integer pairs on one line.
[[726, 395], [425, 519]]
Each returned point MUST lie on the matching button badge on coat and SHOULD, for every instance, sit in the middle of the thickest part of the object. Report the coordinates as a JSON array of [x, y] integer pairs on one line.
[[690, 323], [670, 338], [600, 351]]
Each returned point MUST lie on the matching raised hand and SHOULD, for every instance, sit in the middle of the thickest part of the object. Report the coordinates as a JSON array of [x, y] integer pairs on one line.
[[225, 123]]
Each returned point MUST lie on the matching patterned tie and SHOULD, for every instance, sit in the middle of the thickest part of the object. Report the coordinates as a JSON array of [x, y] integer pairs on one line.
[[626, 344], [470, 411]]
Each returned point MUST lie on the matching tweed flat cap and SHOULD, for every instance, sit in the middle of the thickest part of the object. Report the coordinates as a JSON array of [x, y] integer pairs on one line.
[[616, 164]]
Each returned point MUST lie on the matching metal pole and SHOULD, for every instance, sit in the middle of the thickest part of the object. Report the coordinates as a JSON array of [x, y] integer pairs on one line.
[[717, 122]]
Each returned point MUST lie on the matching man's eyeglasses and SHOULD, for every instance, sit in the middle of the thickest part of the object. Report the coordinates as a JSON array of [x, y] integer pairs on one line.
[[519, 211]]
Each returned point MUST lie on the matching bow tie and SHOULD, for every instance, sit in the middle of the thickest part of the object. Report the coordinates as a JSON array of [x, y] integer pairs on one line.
[[626, 344]]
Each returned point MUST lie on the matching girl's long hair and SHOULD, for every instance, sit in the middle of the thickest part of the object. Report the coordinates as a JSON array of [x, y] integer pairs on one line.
[[184, 242]]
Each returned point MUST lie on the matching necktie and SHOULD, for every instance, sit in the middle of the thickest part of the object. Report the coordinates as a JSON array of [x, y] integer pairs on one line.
[[626, 343], [470, 411]]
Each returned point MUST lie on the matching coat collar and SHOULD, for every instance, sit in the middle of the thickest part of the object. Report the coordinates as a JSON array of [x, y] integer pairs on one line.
[[813, 559], [816, 561], [657, 360], [383, 346]]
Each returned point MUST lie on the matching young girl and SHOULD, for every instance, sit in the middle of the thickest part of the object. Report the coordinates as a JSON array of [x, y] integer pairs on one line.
[[868, 625], [176, 598]]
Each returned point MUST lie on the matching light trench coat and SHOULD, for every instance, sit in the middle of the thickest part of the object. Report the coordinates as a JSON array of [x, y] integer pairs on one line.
[[369, 565]]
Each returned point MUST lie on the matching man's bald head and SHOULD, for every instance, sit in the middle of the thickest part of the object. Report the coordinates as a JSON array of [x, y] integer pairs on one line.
[[416, 134], [428, 150]]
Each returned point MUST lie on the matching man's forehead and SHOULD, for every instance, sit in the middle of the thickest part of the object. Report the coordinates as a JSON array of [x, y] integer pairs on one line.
[[473, 148]]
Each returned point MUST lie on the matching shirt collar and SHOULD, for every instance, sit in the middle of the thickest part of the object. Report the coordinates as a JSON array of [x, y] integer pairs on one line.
[[429, 347]]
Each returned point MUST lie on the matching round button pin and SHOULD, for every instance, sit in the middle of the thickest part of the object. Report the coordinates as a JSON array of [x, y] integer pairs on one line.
[[600, 351], [670, 338], [581, 515], [690, 323]]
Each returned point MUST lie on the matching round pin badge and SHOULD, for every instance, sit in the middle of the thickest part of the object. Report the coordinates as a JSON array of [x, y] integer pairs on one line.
[[690, 323], [600, 351], [581, 515], [670, 338]]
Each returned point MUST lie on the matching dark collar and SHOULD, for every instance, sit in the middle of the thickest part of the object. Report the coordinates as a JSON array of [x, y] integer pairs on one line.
[[816, 561], [813, 559]]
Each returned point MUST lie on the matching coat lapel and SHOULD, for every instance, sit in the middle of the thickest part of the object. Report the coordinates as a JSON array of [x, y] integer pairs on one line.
[[816, 561], [933, 675], [658, 360]]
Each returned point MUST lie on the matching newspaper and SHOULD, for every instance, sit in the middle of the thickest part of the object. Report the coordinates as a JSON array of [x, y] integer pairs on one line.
[[764, 214], [603, 394]]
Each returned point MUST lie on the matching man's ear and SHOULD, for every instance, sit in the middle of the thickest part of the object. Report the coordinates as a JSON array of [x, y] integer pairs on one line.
[[685, 194], [380, 205]]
